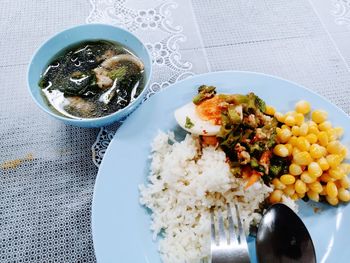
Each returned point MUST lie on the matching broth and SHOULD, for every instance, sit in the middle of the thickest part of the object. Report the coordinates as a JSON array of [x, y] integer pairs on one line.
[[92, 79]]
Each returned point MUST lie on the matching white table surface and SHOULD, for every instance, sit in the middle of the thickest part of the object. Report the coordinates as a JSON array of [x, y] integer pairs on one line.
[[46, 168]]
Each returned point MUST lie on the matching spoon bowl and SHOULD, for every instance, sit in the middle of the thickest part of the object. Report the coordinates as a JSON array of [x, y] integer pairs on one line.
[[283, 238]]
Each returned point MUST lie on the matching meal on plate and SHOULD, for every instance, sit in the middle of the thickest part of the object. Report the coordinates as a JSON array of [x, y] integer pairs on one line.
[[92, 79], [238, 150]]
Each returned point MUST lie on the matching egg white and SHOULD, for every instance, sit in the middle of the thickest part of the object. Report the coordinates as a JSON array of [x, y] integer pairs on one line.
[[200, 127]]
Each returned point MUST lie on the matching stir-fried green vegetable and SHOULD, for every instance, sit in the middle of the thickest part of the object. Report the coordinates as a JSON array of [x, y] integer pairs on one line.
[[189, 124], [247, 134], [278, 166], [204, 92]]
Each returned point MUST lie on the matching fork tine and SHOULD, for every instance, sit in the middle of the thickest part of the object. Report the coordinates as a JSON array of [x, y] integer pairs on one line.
[[222, 234], [232, 246], [231, 227], [212, 225], [241, 233]]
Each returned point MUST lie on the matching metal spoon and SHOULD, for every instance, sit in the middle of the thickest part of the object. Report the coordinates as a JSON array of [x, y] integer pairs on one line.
[[283, 238]]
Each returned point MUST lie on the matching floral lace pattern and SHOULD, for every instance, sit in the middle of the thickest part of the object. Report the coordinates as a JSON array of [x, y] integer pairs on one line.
[[341, 12], [158, 53], [148, 19], [100, 146], [153, 22]]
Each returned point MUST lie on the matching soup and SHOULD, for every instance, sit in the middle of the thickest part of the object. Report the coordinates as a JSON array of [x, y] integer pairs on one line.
[[92, 79]]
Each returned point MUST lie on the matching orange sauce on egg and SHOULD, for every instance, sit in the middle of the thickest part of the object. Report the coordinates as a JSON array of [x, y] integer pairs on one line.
[[210, 110]]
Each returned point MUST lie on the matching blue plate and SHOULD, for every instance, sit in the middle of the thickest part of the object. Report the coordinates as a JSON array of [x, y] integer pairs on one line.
[[120, 225]]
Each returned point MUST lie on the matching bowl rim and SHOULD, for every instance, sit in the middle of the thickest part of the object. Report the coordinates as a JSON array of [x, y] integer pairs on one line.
[[109, 117]]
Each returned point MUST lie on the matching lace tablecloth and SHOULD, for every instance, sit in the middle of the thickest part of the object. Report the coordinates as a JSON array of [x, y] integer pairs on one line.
[[48, 169]]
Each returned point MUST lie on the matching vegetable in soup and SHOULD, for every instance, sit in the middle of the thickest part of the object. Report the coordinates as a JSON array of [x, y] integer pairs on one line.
[[92, 79]]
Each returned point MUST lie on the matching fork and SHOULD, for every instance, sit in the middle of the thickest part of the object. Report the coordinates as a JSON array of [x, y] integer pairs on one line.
[[231, 248]]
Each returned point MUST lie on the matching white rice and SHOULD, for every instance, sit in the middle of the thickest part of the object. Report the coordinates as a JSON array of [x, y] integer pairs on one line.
[[184, 182]]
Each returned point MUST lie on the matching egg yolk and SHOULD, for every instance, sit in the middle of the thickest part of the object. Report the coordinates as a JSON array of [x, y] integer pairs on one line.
[[210, 110]]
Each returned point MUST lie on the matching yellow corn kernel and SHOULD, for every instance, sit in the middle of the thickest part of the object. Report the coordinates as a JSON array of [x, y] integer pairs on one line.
[[312, 138], [294, 197], [303, 144], [323, 138], [345, 167], [279, 116], [334, 160], [323, 192], [289, 190], [300, 186], [295, 151], [290, 113], [299, 119], [345, 182], [295, 169], [331, 189], [339, 131], [270, 110], [290, 148], [332, 200], [325, 177], [287, 179], [313, 196], [334, 147], [319, 116], [344, 152], [317, 151], [281, 150], [303, 107], [303, 130], [343, 195], [307, 178], [295, 130], [314, 169], [302, 158], [293, 140], [275, 196], [313, 130], [301, 195], [322, 162], [336, 173], [324, 126], [312, 124], [332, 135], [278, 184], [289, 120], [284, 126], [284, 135], [316, 187]]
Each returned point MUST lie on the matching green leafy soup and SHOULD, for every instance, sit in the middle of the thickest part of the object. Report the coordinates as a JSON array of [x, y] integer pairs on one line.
[[92, 79]]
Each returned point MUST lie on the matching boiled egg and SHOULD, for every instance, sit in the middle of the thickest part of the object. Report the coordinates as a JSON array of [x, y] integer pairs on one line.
[[202, 119]]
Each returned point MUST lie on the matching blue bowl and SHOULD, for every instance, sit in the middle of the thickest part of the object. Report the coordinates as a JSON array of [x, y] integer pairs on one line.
[[74, 35]]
